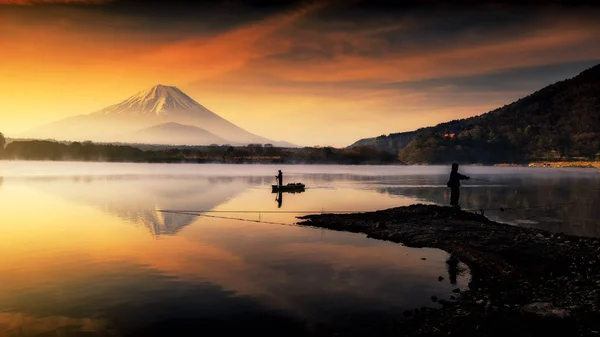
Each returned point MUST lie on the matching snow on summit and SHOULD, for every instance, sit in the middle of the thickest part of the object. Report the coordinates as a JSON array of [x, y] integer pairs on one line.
[[159, 115], [160, 100]]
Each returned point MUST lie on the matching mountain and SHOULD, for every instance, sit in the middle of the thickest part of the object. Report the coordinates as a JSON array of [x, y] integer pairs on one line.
[[390, 143], [561, 120], [172, 133], [158, 105]]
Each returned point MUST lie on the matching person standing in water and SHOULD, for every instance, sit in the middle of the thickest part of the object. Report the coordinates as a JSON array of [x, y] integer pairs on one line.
[[279, 178], [454, 184]]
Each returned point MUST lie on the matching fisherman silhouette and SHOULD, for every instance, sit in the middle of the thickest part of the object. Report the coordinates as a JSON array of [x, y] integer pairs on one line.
[[279, 199], [454, 184], [279, 178]]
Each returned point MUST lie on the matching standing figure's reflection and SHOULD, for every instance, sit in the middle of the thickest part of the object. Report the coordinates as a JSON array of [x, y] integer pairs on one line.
[[279, 199], [452, 264]]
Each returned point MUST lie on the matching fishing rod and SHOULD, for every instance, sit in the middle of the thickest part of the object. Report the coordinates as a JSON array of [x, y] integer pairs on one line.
[[250, 211], [231, 218], [478, 179], [195, 212]]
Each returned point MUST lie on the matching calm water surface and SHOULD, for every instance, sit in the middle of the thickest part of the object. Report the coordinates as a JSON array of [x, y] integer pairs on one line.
[[86, 253]]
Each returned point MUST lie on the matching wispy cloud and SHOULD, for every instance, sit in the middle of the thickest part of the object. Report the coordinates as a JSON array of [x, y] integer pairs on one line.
[[207, 56], [353, 57], [376, 71], [36, 2]]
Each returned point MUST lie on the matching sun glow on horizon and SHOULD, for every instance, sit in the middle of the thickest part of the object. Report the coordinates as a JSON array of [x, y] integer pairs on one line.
[[304, 75]]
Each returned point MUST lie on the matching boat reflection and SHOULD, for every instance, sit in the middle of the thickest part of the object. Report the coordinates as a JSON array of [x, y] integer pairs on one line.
[[279, 197]]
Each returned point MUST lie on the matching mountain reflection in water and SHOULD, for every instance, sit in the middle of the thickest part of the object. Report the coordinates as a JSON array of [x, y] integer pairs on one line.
[[81, 255], [89, 254]]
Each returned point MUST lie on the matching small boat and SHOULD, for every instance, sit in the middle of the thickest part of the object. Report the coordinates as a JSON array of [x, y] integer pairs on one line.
[[289, 187]]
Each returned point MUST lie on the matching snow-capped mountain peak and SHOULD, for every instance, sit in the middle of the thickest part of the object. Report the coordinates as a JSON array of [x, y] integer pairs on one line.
[[161, 114], [160, 100]]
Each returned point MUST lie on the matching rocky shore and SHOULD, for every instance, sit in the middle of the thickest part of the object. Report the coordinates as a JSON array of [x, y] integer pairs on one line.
[[525, 282], [566, 164], [555, 164]]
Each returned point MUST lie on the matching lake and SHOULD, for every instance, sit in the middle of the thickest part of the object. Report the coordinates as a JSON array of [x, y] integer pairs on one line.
[[88, 249]]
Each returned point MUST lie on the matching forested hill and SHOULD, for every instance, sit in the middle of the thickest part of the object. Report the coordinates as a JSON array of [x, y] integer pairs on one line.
[[560, 120], [391, 143]]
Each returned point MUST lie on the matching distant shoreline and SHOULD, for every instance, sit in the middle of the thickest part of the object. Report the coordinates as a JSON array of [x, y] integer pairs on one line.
[[570, 164], [556, 164], [579, 164], [222, 154]]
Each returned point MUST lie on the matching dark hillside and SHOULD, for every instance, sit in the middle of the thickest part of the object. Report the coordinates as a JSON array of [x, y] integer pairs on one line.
[[561, 120]]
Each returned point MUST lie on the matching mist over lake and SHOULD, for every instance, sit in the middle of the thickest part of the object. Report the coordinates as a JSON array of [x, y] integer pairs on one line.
[[86, 247]]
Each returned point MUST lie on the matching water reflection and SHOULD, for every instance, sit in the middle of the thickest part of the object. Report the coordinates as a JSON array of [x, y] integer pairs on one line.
[[136, 199], [19, 324], [73, 263], [550, 201], [521, 192], [279, 199], [279, 196], [77, 257], [453, 269]]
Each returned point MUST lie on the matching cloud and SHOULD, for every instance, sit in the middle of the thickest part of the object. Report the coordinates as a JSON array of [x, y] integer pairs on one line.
[[31, 325], [207, 56], [362, 63], [36, 2], [521, 79], [356, 57], [325, 60]]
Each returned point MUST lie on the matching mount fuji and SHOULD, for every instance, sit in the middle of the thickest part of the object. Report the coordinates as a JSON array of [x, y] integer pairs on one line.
[[159, 115]]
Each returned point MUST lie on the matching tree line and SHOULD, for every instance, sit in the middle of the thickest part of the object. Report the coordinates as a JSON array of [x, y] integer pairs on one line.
[[253, 153]]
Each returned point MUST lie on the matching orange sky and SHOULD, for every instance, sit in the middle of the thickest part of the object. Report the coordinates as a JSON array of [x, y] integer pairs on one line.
[[328, 76]]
